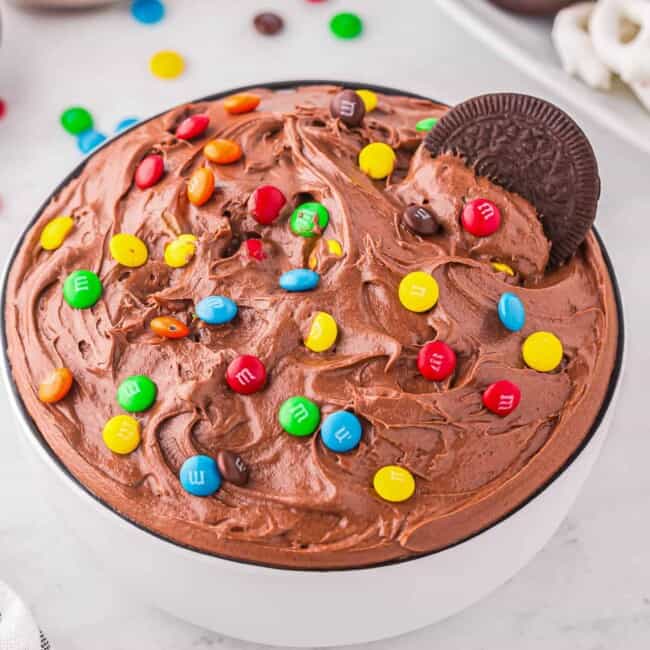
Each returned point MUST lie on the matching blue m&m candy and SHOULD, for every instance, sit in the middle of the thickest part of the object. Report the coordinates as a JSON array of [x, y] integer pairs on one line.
[[200, 476], [299, 280], [216, 310], [89, 140], [125, 124], [511, 312], [341, 431]]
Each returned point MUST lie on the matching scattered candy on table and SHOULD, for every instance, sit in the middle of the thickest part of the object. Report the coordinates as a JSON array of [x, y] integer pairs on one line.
[[169, 327], [167, 64], [200, 476], [377, 160], [426, 124], [481, 217], [542, 351], [349, 107], [500, 267], [149, 171], [241, 103], [193, 126], [436, 361], [222, 152], [82, 289], [125, 124], [55, 232], [322, 333], [309, 219], [369, 98], [333, 248], [233, 468], [266, 203], [136, 393], [121, 434], [299, 280], [76, 120], [89, 140], [268, 23], [216, 310], [394, 483], [512, 312], [420, 220], [148, 12], [299, 416], [341, 431], [502, 397], [246, 374], [180, 251], [200, 187], [128, 250], [346, 25], [418, 291], [55, 386]]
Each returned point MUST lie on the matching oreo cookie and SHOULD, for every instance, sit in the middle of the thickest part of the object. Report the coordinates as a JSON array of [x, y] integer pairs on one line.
[[533, 148], [533, 7]]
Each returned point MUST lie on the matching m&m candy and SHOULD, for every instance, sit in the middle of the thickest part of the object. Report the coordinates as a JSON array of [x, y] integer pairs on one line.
[[542, 351], [511, 311], [128, 250], [121, 434], [322, 333], [268, 23], [149, 171], [167, 64], [299, 416], [200, 186], [426, 124], [502, 397], [126, 123], [348, 107], [369, 99], [266, 203], [346, 25], [136, 393], [418, 291], [55, 386], [169, 327], [241, 103], [246, 374], [299, 280], [255, 249], [216, 310], [309, 219], [180, 251], [500, 267], [436, 361], [481, 217], [148, 12], [341, 431], [232, 467], [222, 152], [333, 248], [55, 232], [192, 126], [420, 220], [76, 120], [200, 476], [394, 483], [377, 160], [82, 289], [89, 140]]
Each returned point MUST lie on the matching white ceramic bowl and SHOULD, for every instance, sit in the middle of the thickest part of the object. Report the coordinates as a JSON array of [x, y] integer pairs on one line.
[[309, 608]]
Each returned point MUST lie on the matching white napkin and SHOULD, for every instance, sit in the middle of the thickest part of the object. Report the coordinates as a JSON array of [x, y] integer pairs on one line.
[[18, 629]]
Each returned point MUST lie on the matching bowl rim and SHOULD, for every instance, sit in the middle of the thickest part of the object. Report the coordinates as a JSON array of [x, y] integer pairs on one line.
[[5, 365]]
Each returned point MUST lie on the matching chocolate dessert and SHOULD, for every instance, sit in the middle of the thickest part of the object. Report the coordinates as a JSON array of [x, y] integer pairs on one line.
[[281, 327]]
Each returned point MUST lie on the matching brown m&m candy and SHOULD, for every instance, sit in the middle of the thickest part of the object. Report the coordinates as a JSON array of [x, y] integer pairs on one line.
[[533, 148], [420, 220], [348, 107], [268, 23], [232, 468], [533, 7]]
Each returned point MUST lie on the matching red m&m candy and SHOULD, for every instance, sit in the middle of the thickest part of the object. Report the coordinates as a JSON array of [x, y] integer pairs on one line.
[[481, 217], [149, 171], [436, 361], [246, 374], [192, 126], [255, 249], [502, 397], [266, 203]]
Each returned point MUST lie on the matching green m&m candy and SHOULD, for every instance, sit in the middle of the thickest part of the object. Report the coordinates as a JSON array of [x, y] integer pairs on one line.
[[82, 289], [136, 393], [299, 416], [309, 219], [346, 25], [426, 124], [76, 120]]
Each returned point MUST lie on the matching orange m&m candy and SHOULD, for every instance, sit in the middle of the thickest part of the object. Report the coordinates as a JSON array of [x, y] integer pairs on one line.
[[241, 103], [55, 386], [222, 151], [200, 186], [169, 327]]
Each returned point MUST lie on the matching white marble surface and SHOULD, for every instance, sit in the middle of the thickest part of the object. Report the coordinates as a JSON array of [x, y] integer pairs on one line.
[[590, 587]]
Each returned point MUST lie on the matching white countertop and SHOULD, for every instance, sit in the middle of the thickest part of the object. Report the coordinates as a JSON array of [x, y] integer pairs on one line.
[[589, 588]]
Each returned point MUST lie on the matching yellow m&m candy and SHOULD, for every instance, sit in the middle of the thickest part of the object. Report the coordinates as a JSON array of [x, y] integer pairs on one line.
[[500, 267], [542, 351], [418, 291], [333, 248], [368, 98], [128, 250], [166, 64], [377, 160], [122, 434], [394, 483], [322, 333], [55, 232], [179, 252]]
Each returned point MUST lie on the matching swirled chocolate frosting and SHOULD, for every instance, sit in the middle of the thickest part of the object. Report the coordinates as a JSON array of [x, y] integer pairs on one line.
[[304, 505]]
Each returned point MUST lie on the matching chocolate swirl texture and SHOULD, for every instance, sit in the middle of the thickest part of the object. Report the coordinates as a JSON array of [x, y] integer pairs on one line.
[[305, 506]]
